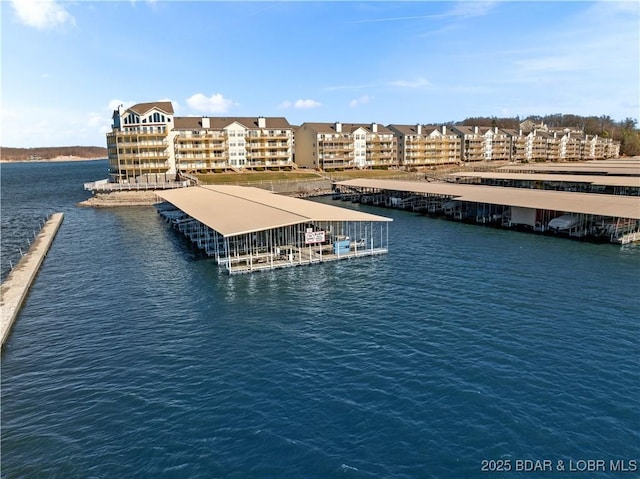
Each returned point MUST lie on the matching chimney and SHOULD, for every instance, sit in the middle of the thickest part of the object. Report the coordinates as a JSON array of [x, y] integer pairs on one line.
[[475, 130], [419, 129], [495, 130], [374, 127], [444, 129], [262, 123], [338, 127], [205, 123]]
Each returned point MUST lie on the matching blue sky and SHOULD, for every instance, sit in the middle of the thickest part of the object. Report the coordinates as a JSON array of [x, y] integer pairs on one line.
[[67, 65]]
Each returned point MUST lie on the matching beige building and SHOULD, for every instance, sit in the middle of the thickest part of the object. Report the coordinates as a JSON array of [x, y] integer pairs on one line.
[[138, 143], [426, 145], [329, 146], [148, 140], [483, 143]]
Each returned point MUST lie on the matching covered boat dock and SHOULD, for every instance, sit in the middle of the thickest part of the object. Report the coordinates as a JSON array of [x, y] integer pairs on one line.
[[600, 217], [615, 185], [249, 229]]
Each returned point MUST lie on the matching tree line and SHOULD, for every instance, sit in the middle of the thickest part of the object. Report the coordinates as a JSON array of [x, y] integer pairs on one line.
[[48, 153], [604, 126]]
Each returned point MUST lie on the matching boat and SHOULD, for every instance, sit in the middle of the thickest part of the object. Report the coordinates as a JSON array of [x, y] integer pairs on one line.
[[564, 223]]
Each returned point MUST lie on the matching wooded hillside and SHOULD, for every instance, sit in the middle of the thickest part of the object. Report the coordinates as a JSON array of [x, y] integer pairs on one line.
[[47, 153]]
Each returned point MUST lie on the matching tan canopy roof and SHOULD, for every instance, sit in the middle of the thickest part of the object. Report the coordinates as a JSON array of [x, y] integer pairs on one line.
[[619, 206], [605, 180], [593, 168], [234, 210]]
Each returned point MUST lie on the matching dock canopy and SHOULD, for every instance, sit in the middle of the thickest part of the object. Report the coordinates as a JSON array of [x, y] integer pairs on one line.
[[251, 229], [617, 206], [601, 180], [235, 210]]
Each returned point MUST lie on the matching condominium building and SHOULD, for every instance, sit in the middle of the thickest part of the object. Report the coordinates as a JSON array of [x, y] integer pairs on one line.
[[147, 139], [139, 141], [483, 143], [426, 145], [207, 144], [339, 145]]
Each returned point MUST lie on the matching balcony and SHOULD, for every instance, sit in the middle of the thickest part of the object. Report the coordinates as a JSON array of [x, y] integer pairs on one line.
[[267, 145]]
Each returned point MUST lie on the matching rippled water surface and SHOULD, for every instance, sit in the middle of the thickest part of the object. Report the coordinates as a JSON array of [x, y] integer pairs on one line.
[[135, 357]]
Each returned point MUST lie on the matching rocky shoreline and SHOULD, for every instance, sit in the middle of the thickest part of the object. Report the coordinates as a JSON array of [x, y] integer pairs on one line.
[[149, 198], [121, 198]]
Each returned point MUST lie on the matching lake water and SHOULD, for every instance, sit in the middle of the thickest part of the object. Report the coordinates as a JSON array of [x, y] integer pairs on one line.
[[133, 356]]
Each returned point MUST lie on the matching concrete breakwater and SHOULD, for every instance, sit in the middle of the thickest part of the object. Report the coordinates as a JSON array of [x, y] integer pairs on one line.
[[121, 198], [300, 189], [15, 288]]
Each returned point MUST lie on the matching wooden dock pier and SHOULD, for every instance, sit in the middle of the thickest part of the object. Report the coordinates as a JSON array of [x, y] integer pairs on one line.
[[15, 288]]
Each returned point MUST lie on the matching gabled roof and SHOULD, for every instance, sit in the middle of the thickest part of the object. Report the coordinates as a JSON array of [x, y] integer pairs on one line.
[[346, 127], [465, 130], [218, 122], [142, 108]]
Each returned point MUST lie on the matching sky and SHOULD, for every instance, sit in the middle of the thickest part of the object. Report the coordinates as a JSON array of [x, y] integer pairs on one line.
[[65, 66]]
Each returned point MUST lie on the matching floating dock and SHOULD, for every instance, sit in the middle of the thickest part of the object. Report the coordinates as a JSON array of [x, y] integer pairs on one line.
[[250, 229], [590, 216], [15, 288]]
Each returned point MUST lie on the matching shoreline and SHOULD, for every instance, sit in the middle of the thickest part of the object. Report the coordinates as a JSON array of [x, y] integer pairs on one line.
[[57, 159], [116, 199]]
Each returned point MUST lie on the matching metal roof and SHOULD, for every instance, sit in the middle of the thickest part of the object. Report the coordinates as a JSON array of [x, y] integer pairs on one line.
[[594, 168], [619, 206], [234, 210], [605, 180]]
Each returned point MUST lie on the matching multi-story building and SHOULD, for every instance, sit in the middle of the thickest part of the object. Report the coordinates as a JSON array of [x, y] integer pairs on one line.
[[483, 143], [501, 144], [472, 143], [209, 144], [139, 141], [426, 145], [147, 139], [611, 148], [339, 145], [570, 146]]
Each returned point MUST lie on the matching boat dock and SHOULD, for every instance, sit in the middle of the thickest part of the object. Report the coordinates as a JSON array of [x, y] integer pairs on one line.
[[15, 287], [249, 229], [597, 217]]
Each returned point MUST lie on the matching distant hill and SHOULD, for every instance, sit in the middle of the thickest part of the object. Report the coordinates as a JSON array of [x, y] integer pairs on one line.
[[48, 153]]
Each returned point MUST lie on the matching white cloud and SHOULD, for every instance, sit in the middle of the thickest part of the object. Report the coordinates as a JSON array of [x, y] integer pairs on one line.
[[299, 104], [359, 101], [464, 9], [306, 104], [216, 103], [351, 87], [42, 14], [417, 83], [55, 127], [471, 9]]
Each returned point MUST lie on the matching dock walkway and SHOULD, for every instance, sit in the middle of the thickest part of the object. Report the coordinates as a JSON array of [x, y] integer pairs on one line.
[[15, 288]]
